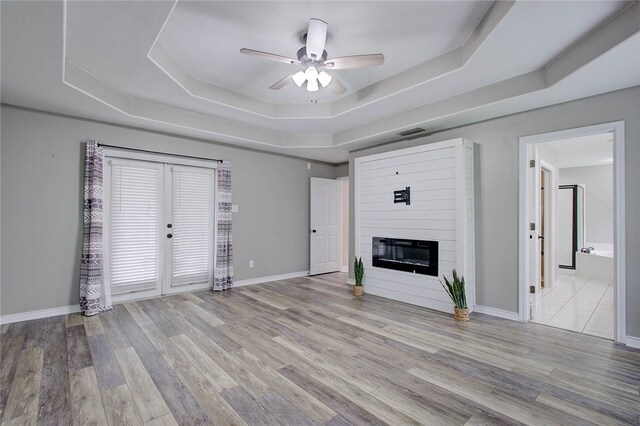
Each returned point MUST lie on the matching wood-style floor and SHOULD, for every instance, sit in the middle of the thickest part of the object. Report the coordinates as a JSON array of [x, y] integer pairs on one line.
[[304, 351]]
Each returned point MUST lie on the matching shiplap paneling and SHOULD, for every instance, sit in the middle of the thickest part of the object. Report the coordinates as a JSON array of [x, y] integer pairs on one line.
[[441, 179]]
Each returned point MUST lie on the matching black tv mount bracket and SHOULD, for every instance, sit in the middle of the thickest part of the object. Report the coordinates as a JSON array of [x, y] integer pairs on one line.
[[402, 196]]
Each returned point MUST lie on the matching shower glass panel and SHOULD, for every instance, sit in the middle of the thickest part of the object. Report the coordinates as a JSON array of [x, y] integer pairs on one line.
[[570, 228], [580, 219]]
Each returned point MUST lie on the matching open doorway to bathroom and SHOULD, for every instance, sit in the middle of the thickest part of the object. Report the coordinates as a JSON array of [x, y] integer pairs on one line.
[[581, 297], [572, 231]]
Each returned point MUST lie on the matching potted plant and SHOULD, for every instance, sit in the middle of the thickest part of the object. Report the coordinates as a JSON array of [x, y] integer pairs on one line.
[[456, 291], [358, 271]]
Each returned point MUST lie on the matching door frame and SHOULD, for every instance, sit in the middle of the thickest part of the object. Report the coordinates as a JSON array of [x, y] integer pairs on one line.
[[524, 256], [165, 159]]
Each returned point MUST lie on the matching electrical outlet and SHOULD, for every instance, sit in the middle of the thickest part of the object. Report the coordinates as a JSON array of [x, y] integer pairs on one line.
[[234, 208], [251, 264], [308, 166]]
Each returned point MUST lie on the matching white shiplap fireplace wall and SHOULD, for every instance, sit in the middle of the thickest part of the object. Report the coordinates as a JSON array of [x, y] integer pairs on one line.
[[440, 176]]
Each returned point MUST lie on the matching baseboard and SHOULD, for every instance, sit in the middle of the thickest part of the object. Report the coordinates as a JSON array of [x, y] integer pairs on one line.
[[258, 280], [42, 313], [497, 312], [63, 310], [632, 342]]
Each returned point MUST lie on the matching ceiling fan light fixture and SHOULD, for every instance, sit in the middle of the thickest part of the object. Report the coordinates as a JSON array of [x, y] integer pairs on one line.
[[299, 78], [324, 78], [311, 74], [312, 85]]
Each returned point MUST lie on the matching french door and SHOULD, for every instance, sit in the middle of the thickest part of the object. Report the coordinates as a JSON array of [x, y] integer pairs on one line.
[[159, 228]]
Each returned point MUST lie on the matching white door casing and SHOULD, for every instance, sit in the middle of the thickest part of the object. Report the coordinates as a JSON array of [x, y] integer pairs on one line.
[[324, 235], [620, 282]]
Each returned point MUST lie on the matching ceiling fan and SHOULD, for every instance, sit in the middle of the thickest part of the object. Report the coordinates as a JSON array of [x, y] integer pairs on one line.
[[313, 59]]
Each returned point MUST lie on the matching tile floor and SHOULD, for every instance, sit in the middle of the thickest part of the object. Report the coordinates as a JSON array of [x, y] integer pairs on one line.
[[578, 304]]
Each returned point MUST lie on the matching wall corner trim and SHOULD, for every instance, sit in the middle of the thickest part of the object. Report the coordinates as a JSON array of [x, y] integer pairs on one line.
[[500, 313], [42, 313], [259, 280], [632, 342]]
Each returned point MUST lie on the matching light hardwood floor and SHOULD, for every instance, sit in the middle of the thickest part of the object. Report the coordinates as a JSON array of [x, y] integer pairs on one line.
[[304, 351]]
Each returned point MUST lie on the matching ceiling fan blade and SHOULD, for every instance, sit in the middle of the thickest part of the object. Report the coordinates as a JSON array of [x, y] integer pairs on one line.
[[281, 83], [316, 38], [336, 87], [355, 61], [270, 56]]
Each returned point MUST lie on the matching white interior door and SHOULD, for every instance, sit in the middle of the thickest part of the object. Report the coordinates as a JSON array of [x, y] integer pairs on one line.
[[159, 228], [546, 232], [325, 226], [534, 222]]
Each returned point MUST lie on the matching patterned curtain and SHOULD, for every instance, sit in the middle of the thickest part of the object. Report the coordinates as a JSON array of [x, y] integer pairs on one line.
[[223, 278], [94, 297]]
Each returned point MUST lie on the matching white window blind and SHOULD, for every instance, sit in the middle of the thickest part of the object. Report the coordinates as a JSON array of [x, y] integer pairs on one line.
[[134, 220], [192, 218]]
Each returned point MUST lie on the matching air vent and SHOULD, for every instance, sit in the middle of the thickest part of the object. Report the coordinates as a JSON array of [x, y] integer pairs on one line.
[[411, 131]]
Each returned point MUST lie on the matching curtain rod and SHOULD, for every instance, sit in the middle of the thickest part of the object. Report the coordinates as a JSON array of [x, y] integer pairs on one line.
[[158, 152]]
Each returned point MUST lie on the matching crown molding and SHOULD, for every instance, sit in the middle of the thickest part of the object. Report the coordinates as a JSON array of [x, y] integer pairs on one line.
[[486, 102]]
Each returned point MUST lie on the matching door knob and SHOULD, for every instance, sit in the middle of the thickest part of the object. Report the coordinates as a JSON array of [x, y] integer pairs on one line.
[[313, 230], [169, 225], [541, 237], [169, 235]]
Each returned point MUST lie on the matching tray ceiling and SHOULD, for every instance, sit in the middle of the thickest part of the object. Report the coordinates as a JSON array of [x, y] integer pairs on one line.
[[175, 66]]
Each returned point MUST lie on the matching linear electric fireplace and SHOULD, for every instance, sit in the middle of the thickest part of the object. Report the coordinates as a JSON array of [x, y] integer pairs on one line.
[[419, 257]]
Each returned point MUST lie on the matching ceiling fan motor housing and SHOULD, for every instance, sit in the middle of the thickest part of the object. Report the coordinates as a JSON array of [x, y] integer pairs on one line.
[[306, 61]]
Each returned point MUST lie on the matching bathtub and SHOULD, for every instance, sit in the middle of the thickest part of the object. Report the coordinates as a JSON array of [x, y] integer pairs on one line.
[[596, 265]]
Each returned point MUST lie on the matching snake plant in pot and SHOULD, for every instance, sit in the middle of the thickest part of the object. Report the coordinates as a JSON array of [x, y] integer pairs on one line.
[[358, 272], [456, 291]]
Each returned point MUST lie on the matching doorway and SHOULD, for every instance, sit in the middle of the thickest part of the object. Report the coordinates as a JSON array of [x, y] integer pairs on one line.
[[561, 208], [159, 227]]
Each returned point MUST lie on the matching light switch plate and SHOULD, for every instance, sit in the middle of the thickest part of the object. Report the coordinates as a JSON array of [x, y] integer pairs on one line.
[[234, 208]]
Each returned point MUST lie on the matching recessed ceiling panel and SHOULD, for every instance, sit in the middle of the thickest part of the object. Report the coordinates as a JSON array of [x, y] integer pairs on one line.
[[205, 38]]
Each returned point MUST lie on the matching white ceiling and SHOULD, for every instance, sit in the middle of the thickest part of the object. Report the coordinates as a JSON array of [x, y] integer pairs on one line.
[[205, 38], [175, 66], [592, 150]]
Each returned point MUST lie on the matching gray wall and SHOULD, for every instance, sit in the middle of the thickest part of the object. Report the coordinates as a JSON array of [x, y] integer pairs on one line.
[[598, 204], [496, 180], [41, 156], [342, 170]]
